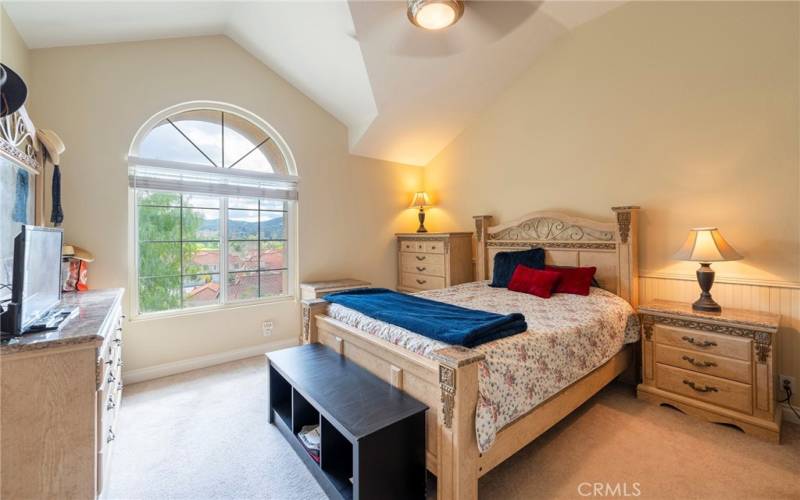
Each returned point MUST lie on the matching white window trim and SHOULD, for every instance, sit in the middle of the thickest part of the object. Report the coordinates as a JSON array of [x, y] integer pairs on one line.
[[292, 232]]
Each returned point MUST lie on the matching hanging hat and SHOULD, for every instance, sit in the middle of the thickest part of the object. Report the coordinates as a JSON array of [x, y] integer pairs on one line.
[[52, 143], [76, 252], [13, 91]]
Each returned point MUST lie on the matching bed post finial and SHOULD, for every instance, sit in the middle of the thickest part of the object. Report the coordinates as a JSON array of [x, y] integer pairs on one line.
[[481, 235], [628, 251]]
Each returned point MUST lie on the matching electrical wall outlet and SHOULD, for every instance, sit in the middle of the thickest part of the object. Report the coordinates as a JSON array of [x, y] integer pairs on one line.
[[792, 386], [266, 328]]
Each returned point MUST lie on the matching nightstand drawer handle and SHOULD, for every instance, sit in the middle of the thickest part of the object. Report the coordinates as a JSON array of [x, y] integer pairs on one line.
[[705, 343], [420, 269], [699, 364], [420, 257], [422, 282], [707, 388]]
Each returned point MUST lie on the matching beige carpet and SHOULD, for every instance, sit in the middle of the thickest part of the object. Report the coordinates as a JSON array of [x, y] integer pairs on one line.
[[204, 435]]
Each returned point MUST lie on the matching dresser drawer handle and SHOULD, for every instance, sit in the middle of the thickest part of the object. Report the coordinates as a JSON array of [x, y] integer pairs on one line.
[[420, 269], [117, 342], [705, 343], [111, 378], [110, 436], [433, 247], [110, 405], [420, 257], [699, 364], [421, 282], [707, 388], [110, 362]]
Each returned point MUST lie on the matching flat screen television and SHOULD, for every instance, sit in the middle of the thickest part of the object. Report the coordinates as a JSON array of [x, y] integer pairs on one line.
[[36, 287]]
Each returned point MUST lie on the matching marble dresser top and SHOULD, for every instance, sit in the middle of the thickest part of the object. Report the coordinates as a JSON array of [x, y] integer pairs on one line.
[[94, 307], [764, 320]]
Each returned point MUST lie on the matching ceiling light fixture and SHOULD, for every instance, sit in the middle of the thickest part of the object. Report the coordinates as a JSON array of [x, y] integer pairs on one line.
[[434, 14]]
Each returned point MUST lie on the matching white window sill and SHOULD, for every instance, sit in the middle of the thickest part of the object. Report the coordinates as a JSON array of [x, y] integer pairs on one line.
[[177, 313]]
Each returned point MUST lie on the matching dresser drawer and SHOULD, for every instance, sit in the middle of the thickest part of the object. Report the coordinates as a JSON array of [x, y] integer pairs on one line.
[[432, 265], [710, 343], [714, 390], [701, 362], [421, 281], [412, 246], [434, 247]]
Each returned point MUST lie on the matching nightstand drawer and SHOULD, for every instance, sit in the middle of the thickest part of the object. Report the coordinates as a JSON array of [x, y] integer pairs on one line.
[[710, 343], [421, 281], [717, 391], [422, 263], [733, 369]]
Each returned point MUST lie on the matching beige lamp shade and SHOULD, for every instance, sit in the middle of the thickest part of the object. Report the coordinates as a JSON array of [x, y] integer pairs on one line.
[[421, 199], [706, 244]]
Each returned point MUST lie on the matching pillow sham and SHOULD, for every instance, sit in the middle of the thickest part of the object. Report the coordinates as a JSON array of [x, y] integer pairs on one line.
[[537, 282], [575, 280], [595, 283], [505, 263]]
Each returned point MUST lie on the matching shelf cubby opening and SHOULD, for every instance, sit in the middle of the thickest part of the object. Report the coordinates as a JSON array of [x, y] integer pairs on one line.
[[280, 395], [337, 458]]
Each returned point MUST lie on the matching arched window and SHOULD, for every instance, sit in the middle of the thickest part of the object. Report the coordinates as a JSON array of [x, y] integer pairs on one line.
[[213, 198]]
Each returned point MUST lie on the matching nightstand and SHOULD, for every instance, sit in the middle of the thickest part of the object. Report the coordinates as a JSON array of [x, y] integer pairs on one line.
[[718, 366], [427, 261]]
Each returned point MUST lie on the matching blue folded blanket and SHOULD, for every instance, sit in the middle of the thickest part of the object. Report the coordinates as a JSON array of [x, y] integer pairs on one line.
[[444, 322]]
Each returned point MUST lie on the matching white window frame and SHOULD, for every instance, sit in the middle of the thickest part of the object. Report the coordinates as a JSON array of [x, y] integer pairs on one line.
[[292, 233]]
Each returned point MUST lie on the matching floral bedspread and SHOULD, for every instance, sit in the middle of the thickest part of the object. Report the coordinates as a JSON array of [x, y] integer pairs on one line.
[[568, 336]]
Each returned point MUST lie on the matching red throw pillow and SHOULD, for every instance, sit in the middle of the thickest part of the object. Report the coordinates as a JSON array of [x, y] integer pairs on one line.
[[575, 280], [533, 281]]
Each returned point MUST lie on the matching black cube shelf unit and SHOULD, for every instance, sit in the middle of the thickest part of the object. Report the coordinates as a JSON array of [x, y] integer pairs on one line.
[[370, 431]]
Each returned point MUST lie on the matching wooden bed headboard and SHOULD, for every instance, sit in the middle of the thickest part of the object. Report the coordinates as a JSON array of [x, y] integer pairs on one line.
[[612, 247]]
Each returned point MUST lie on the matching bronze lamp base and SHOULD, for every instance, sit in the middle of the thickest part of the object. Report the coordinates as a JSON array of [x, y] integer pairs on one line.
[[421, 216], [705, 277]]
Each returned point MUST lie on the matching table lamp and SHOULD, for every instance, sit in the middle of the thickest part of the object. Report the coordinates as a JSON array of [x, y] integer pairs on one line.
[[706, 245], [421, 200]]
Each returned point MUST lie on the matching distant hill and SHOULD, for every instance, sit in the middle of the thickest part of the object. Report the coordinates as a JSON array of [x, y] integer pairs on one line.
[[238, 229]]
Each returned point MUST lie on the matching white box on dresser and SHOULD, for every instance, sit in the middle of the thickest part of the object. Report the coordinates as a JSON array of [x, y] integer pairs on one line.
[[426, 261], [60, 392]]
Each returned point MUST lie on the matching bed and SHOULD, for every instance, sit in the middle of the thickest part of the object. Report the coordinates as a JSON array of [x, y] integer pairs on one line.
[[490, 401]]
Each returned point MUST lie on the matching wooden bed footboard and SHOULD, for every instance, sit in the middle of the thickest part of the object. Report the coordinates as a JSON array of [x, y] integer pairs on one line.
[[449, 386]]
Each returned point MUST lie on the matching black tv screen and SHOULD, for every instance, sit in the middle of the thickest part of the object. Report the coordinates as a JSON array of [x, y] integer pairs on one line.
[[37, 273]]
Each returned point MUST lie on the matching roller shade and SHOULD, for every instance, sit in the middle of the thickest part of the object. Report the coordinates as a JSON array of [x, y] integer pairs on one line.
[[144, 173]]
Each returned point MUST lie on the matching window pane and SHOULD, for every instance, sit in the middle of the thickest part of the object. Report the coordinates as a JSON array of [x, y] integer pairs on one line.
[[164, 142], [241, 137], [273, 255], [248, 203], [200, 224], [201, 290], [159, 294], [159, 259], [157, 198], [242, 286], [159, 223], [255, 161], [242, 224], [242, 255], [200, 201], [273, 283], [273, 225], [200, 258], [203, 127]]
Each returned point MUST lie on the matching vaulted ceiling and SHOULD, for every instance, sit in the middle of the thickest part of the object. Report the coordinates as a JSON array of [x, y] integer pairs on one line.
[[404, 93]]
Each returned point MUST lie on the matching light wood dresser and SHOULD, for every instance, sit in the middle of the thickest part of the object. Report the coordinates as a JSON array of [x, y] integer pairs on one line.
[[718, 366], [427, 261], [60, 394]]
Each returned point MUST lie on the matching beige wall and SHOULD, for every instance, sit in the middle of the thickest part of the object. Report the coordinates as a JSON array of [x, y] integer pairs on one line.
[[13, 51], [96, 97], [691, 110]]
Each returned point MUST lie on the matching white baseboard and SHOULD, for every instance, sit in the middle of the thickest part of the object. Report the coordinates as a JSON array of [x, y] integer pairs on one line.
[[185, 365], [788, 414]]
